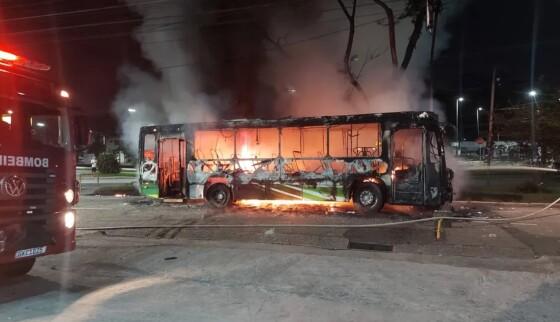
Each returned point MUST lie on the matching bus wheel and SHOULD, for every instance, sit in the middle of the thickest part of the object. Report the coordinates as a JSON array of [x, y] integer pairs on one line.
[[219, 196], [368, 198], [17, 268]]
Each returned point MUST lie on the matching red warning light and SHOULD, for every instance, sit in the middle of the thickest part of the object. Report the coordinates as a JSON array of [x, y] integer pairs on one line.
[[9, 59], [4, 55]]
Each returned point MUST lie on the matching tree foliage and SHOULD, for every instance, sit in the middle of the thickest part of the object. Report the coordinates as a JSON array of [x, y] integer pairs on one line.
[[515, 124], [107, 163]]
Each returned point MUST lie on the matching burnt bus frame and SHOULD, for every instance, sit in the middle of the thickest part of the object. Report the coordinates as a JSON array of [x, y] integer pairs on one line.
[[388, 122]]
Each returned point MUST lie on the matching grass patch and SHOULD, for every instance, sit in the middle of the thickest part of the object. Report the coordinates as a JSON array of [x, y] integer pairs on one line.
[[122, 189], [125, 174], [511, 185]]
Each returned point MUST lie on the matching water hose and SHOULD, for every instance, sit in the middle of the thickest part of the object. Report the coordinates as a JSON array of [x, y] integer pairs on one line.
[[389, 224]]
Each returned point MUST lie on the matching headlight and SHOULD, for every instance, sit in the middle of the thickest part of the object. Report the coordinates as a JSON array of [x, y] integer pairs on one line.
[[69, 219], [3, 238], [69, 195]]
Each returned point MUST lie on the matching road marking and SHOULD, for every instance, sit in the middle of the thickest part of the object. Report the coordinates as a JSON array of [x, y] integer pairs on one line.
[[523, 224], [92, 208]]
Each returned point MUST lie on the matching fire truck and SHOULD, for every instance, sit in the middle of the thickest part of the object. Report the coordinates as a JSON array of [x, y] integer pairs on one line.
[[38, 138], [369, 159]]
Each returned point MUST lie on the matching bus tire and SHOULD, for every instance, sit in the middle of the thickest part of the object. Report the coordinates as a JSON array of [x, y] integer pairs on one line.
[[18, 268], [219, 196], [368, 198]]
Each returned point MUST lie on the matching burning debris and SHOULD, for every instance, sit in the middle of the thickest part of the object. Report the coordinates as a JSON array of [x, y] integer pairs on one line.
[[302, 206]]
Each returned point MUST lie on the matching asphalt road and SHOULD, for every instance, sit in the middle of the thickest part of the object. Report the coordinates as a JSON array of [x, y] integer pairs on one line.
[[526, 239], [476, 273], [136, 279]]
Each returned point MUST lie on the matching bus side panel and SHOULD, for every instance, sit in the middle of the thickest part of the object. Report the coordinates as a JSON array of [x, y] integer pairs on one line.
[[291, 191]]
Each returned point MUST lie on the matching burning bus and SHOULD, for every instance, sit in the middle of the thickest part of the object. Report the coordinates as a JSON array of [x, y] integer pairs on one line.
[[37, 165], [369, 159]]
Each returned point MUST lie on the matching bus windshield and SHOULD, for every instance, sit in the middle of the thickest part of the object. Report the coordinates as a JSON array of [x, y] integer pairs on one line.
[[29, 124]]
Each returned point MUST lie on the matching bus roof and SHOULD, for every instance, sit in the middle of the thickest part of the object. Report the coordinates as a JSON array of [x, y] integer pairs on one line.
[[420, 118]]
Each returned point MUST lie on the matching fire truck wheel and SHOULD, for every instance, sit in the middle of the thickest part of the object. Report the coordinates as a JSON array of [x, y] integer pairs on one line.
[[368, 198], [17, 268], [219, 195]]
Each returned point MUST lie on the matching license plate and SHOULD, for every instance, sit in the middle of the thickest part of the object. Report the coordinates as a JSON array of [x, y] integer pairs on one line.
[[31, 252]]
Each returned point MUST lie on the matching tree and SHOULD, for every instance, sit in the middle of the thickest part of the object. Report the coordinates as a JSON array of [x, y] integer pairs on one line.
[[415, 9], [107, 163], [97, 146], [351, 17], [514, 124], [391, 29]]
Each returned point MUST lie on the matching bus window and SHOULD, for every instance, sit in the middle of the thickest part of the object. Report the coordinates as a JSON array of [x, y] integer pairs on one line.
[[149, 166], [314, 142], [291, 142], [214, 144], [366, 140], [149, 147], [303, 144], [355, 140], [406, 159], [407, 150], [257, 143]]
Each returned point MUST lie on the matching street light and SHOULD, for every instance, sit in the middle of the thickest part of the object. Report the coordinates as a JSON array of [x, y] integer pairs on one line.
[[478, 120], [533, 94], [131, 110], [459, 99]]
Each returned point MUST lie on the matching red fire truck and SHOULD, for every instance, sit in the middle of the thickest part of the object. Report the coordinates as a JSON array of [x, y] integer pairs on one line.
[[38, 138]]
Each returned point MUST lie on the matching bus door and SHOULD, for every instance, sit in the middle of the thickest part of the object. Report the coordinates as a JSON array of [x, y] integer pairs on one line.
[[148, 166], [171, 167], [434, 177], [407, 171]]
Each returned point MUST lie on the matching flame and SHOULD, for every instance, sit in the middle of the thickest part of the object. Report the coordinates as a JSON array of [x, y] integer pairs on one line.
[[246, 165], [330, 206]]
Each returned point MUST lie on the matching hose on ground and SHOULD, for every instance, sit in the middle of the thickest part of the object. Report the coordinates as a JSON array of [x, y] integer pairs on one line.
[[388, 224]]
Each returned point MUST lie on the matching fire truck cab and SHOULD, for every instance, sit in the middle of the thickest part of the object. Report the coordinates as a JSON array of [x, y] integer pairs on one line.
[[38, 186]]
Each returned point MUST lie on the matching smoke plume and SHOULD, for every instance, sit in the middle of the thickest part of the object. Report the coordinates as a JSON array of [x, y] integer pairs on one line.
[[217, 59]]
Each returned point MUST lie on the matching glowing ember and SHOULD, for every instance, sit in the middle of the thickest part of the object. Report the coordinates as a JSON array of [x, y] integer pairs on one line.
[[330, 206]]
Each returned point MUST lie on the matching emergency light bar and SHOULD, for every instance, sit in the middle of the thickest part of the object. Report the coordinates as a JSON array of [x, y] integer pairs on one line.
[[10, 59]]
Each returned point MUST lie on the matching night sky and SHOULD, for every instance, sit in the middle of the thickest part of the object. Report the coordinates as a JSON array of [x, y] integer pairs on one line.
[[487, 34]]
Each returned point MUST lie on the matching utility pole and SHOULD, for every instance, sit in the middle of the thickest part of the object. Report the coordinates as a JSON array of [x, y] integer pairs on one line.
[[490, 142], [533, 131], [457, 101], [478, 109]]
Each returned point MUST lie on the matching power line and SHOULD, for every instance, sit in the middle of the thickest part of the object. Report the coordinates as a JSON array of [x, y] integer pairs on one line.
[[87, 25], [144, 3], [154, 2], [158, 30], [116, 22], [293, 43], [80, 11]]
